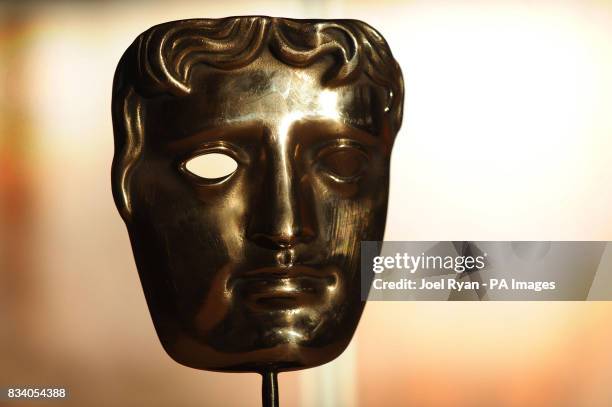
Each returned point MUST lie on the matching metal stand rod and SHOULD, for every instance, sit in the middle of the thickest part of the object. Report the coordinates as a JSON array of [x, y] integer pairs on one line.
[[269, 389]]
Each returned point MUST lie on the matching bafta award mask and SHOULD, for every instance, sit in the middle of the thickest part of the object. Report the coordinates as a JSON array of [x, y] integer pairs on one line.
[[257, 269]]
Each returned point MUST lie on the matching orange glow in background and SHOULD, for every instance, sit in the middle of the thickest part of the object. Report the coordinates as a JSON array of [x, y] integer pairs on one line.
[[506, 136]]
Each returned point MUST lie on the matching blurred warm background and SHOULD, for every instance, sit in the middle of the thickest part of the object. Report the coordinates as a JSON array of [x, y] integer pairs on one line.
[[506, 136]]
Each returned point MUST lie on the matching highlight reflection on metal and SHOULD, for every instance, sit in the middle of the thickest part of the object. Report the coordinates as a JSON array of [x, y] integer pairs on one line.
[[257, 270]]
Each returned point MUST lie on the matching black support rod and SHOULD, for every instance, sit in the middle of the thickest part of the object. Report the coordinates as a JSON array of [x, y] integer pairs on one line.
[[269, 389]]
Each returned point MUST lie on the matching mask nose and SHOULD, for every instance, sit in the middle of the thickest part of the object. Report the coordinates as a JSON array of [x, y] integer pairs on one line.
[[283, 211]]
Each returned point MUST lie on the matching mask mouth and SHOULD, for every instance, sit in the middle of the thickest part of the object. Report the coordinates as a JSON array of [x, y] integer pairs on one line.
[[284, 288]]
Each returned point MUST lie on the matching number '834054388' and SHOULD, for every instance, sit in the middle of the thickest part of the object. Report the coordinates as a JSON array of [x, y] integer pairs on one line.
[[35, 392]]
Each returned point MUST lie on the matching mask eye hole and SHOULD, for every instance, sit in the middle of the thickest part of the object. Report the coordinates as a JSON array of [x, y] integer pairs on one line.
[[345, 164], [211, 166]]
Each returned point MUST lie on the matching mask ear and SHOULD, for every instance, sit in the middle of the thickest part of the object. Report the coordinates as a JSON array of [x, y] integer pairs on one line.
[[128, 117]]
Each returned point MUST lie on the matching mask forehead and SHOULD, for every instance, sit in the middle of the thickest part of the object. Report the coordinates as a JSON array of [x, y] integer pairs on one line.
[[270, 93]]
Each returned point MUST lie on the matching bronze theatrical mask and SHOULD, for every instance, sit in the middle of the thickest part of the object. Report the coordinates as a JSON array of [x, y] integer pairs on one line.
[[257, 270]]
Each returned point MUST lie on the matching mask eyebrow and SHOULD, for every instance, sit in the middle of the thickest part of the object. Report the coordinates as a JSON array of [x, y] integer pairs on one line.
[[224, 132], [337, 130]]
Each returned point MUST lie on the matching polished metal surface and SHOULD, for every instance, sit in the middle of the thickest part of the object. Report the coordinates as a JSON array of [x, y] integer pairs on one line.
[[257, 270]]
